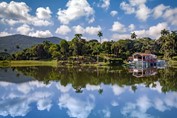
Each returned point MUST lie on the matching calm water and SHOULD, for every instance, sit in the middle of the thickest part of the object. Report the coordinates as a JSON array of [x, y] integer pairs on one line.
[[33, 92]]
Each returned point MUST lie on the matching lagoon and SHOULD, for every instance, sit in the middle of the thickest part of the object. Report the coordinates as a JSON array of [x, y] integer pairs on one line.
[[87, 92]]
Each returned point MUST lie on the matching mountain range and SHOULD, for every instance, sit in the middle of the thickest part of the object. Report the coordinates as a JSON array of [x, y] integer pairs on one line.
[[10, 43]]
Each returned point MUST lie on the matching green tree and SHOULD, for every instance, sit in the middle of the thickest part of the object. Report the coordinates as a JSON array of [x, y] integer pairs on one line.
[[100, 34], [168, 43], [164, 32], [133, 35], [78, 36], [64, 47]]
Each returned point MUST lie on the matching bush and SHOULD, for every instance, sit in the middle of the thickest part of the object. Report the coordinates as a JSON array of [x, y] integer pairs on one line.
[[115, 61], [5, 56]]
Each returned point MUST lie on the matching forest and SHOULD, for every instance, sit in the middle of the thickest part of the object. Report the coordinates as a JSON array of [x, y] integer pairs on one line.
[[164, 47]]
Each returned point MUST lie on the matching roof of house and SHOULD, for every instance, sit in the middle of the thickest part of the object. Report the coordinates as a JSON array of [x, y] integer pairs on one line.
[[143, 54]]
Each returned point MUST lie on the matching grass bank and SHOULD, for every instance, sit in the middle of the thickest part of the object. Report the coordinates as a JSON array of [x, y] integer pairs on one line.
[[23, 63], [173, 63], [54, 63]]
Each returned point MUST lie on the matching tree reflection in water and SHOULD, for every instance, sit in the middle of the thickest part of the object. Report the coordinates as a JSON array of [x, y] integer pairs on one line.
[[106, 75]]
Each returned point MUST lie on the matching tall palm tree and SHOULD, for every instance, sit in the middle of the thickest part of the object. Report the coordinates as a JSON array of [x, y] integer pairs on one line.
[[164, 32], [100, 34], [78, 36], [133, 35]]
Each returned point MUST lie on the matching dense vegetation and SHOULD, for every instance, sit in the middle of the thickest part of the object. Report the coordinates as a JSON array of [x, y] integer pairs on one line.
[[165, 46]]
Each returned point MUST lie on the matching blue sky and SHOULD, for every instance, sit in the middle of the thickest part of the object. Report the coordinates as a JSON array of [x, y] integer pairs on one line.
[[63, 18]]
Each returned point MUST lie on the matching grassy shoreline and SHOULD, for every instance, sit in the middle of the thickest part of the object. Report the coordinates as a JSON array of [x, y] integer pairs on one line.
[[23, 63], [54, 63]]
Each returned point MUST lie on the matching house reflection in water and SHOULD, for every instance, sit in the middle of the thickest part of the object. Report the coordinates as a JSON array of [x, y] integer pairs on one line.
[[145, 64], [143, 72]]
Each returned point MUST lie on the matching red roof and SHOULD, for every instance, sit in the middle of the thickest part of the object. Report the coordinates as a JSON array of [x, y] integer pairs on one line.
[[143, 54]]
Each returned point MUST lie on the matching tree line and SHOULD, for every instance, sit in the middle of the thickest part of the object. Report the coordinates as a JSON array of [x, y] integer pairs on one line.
[[165, 46]]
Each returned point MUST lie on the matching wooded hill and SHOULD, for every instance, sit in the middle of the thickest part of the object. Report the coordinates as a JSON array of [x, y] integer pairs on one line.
[[13, 43]]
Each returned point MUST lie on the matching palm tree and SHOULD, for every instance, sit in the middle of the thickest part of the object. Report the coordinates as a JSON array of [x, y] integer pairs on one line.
[[133, 35], [100, 91], [164, 32], [100, 34], [78, 36]]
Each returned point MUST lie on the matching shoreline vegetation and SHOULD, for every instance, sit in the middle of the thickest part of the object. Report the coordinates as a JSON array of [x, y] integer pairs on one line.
[[51, 63], [84, 52], [24, 63], [56, 63]]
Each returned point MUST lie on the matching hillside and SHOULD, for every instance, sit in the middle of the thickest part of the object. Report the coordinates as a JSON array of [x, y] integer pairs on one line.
[[10, 42]]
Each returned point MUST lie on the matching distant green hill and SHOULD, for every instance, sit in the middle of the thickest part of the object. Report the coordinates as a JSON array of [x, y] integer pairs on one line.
[[10, 43]]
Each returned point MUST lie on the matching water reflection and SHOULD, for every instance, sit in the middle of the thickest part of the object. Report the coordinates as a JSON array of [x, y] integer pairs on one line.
[[68, 92], [143, 72]]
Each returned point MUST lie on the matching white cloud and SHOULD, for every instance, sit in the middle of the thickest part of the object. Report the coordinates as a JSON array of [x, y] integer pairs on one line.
[[42, 34], [63, 30], [91, 20], [4, 34], [141, 33], [118, 27], [170, 16], [159, 10], [127, 8], [92, 30], [105, 4], [143, 103], [24, 29], [75, 10], [104, 40], [153, 31], [22, 100], [92, 87], [106, 113], [117, 90], [76, 107], [78, 29], [113, 13], [18, 12], [43, 13], [10, 22], [114, 103], [137, 7], [15, 10], [137, 2], [138, 109], [62, 88], [160, 105], [24, 88], [44, 104], [120, 36], [143, 12], [158, 87], [131, 27]]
